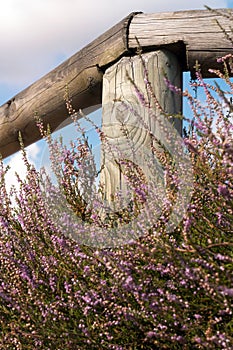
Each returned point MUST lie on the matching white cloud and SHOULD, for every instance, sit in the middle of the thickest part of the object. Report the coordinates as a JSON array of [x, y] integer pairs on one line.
[[35, 35], [17, 165]]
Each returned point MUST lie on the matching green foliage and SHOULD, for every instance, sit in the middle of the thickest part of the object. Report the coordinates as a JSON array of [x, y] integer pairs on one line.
[[162, 290]]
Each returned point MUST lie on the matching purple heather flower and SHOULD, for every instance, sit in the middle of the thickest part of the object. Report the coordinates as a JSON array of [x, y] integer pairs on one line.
[[197, 316], [226, 291], [151, 334], [223, 190]]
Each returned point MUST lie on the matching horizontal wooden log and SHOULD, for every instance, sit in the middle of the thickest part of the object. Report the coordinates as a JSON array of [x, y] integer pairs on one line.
[[83, 75], [200, 30]]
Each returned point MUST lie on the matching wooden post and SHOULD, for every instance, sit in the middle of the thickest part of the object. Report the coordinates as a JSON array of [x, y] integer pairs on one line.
[[120, 100]]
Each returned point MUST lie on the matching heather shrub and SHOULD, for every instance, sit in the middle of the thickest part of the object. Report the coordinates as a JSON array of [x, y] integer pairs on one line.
[[160, 290]]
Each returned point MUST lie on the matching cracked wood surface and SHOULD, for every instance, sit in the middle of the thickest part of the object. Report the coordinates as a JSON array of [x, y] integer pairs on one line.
[[128, 125], [201, 31]]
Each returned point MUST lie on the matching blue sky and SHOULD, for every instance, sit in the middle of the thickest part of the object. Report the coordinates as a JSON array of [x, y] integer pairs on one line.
[[38, 35]]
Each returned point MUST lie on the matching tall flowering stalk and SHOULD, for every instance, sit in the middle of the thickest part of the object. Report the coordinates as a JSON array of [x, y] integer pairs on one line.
[[162, 290]]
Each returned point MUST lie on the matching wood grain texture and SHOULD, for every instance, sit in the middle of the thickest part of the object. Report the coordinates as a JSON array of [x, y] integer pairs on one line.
[[126, 122], [199, 30], [82, 73]]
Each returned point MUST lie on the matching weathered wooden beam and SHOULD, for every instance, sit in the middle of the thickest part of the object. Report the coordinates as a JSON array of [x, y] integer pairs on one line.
[[127, 124], [202, 32], [83, 75]]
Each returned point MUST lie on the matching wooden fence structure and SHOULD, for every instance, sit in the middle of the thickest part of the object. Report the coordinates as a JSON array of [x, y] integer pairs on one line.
[[173, 41]]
